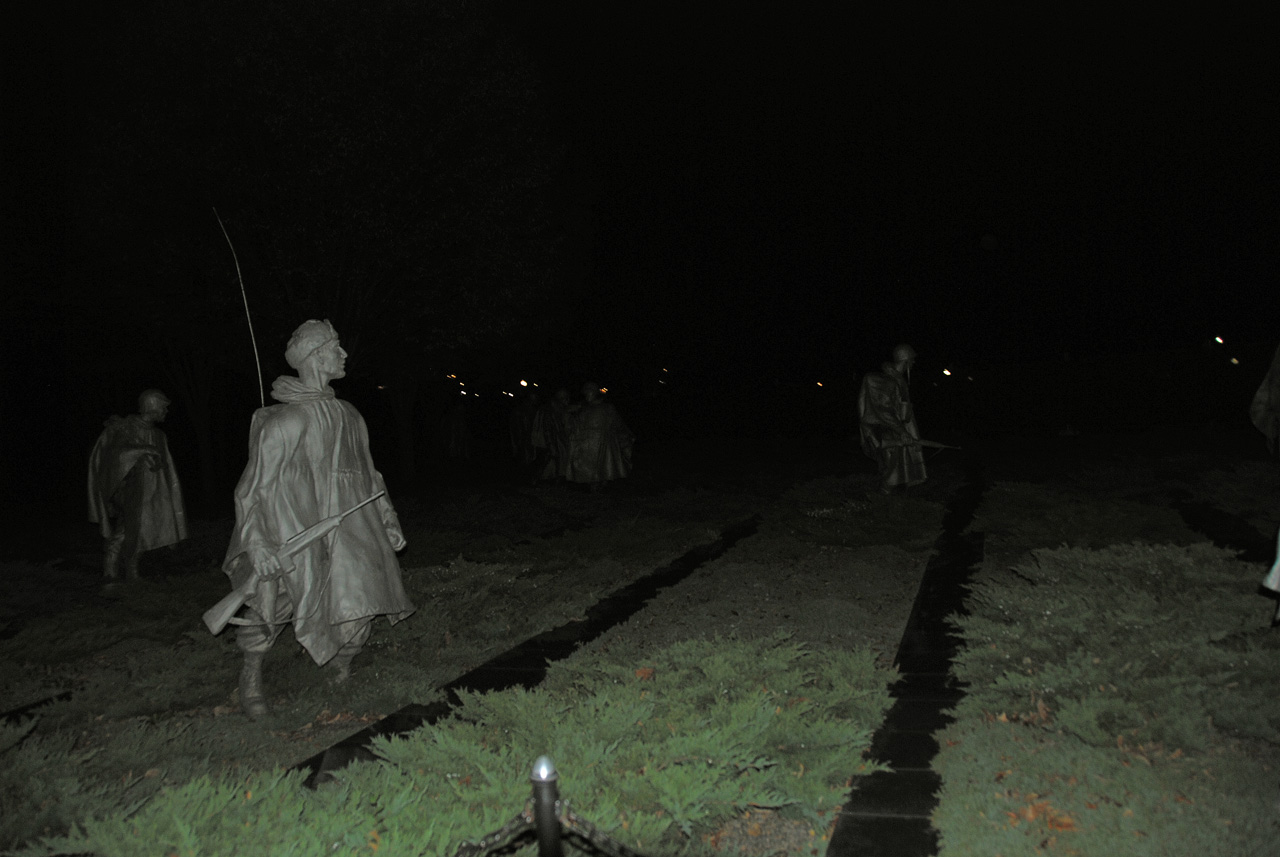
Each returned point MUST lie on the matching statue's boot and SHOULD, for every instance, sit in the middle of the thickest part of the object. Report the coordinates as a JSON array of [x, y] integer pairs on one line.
[[341, 664], [111, 557], [252, 700]]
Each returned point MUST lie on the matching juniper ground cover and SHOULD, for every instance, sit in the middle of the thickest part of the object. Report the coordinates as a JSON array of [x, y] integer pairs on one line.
[[1121, 670]]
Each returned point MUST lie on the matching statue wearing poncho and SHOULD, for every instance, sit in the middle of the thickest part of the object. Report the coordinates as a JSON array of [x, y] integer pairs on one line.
[[887, 422], [134, 494], [550, 437], [309, 459], [600, 443]]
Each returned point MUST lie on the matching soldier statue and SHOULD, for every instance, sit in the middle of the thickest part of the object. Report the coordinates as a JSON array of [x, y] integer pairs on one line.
[[887, 422], [600, 443], [309, 461], [134, 494], [550, 437]]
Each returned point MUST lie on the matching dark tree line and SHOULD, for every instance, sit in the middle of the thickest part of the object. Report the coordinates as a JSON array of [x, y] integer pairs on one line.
[[392, 166]]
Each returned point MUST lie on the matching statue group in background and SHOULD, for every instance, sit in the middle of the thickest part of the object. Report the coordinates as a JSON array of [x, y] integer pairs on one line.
[[309, 461], [134, 493], [549, 437], [887, 422], [520, 431], [599, 441], [453, 433]]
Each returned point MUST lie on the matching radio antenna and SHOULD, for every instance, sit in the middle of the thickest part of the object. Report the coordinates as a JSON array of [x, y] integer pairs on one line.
[[261, 395]]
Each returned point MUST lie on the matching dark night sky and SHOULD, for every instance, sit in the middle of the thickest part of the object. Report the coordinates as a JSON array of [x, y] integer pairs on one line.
[[816, 184], [979, 180], [787, 191]]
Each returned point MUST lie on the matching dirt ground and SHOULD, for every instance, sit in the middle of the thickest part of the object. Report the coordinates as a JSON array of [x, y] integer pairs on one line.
[[831, 558]]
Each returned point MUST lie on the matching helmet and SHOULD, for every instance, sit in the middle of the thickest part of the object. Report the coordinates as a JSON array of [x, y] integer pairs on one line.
[[149, 400], [903, 352], [309, 338]]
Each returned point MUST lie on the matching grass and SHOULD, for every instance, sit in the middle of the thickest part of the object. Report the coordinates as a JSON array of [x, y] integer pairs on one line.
[[1121, 693], [658, 752]]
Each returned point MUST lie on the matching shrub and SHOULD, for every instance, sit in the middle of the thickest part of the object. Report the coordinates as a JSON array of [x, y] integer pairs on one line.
[[1121, 701], [658, 753]]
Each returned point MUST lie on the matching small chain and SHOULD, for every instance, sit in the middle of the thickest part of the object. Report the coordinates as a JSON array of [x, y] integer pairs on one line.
[[599, 841], [502, 836], [585, 835]]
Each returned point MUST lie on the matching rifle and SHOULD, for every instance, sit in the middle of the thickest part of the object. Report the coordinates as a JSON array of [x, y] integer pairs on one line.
[[932, 444], [221, 614]]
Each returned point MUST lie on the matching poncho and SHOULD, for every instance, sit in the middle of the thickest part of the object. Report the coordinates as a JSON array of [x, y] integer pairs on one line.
[[133, 481], [599, 445], [309, 459], [887, 427]]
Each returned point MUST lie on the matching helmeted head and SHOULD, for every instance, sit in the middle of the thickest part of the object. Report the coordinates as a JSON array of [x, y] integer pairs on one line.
[[153, 405], [315, 352], [904, 357], [308, 339]]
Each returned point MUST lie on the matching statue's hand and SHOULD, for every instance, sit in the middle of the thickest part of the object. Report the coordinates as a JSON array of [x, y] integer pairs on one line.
[[265, 563], [397, 538]]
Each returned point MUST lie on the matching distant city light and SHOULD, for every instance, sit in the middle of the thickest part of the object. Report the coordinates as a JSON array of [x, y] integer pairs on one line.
[[819, 383], [1235, 362], [451, 376], [1218, 339], [604, 389], [946, 371], [970, 377], [382, 387], [664, 370], [524, 383]]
